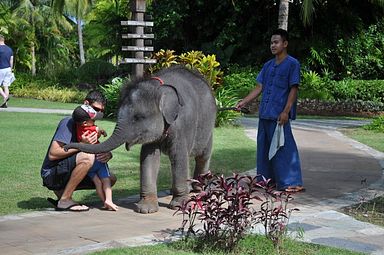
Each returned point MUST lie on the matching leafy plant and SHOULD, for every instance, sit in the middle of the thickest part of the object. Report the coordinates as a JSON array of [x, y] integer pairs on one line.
[[206, 65], [209, 67], [164, 58], [274, 213], [376, 124], [313, 87], [224, 209], [226, 98], [112, 93], [191, 59]]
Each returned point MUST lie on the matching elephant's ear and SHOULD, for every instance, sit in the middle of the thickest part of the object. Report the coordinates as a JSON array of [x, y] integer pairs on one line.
[[170, 102]]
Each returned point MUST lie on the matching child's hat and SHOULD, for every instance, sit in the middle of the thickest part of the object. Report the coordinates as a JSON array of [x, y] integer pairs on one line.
[[83, 113]]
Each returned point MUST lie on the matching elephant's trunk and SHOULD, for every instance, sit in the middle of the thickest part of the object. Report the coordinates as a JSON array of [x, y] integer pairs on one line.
[[115, 140]]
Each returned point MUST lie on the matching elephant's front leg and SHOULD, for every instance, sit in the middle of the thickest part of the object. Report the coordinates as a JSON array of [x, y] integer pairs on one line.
[[180, 169], [149, 168]]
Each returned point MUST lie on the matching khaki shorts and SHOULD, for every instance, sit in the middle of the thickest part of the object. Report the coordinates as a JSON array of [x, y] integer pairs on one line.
[[6, 77]]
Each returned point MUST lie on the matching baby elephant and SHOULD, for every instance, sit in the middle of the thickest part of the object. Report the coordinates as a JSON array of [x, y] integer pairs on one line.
[[173, 113]]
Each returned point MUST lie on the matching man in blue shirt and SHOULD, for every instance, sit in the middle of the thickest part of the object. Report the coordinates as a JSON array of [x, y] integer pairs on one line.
[[6, 75], [63, 171], [278, 82]]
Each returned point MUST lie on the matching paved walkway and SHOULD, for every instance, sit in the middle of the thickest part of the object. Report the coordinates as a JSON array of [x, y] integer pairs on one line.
[[337, 172]]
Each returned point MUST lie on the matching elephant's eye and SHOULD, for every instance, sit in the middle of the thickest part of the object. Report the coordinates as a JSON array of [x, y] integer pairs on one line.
[[138, 117]]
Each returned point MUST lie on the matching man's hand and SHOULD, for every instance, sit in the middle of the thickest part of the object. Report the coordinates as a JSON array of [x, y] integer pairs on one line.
[[104, 157], [240, 105], [89, 137], [283, 118]]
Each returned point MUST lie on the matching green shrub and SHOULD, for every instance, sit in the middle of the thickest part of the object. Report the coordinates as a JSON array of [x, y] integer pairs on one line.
[[377, 124], [24, 80], [51, 93], [241, 81], [96, 72], [313, 87], [38, 87], [362, 55], [365, 90], [112, 94]]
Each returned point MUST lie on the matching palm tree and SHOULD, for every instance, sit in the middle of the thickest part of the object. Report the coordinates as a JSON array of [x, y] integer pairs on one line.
[[28, 13], [78, 9], [283, 14], [34, 26]]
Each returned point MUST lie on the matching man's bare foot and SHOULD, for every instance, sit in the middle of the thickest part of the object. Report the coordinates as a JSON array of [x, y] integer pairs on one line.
[[110, 205]]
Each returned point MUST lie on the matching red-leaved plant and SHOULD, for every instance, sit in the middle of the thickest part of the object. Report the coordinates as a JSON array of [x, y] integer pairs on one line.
[[226, 210]]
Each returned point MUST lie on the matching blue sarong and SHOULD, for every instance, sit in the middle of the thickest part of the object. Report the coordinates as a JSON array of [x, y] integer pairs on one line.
[[284, 168]]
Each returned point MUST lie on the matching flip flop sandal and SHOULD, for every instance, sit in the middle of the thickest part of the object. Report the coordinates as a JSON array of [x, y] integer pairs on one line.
[[294, 189], [71, 209]]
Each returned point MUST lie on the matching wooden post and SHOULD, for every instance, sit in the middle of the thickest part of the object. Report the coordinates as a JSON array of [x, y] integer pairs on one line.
[[138, 10], [139, 49]]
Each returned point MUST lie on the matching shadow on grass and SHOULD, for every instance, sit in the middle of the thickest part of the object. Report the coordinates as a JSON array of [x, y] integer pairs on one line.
[[35, 203]]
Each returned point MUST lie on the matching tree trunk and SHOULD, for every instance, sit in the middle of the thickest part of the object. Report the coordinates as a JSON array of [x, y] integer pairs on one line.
[[33, 56], [283, 14], [81, 45]]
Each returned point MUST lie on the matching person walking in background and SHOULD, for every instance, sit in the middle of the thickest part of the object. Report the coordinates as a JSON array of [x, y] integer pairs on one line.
[[6, 74], [84, 117], [278, 82]]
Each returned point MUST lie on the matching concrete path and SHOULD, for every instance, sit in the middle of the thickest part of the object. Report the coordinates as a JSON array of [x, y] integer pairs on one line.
[[337, 172]]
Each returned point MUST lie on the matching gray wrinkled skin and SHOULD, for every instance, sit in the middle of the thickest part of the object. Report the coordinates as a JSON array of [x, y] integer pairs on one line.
[[176, 119]]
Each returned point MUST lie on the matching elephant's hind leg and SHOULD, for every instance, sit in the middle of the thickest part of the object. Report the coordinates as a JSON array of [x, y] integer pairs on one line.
[[180, 176]]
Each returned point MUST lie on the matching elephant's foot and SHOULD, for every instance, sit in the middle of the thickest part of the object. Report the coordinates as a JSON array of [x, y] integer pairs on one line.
[[177, 201], [147, 204]]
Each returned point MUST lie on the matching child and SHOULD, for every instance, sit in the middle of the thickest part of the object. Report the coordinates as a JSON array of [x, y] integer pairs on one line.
[[84, 118]]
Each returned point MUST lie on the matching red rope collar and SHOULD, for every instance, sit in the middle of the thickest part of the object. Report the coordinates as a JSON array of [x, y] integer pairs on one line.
[[160, 80]]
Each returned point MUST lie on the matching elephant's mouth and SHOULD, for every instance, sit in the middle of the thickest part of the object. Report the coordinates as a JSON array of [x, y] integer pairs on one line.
[[128, 145], [141, 139]]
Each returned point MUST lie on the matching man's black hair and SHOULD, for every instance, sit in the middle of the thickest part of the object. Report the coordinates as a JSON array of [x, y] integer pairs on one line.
[[96, 96], [283, 33]]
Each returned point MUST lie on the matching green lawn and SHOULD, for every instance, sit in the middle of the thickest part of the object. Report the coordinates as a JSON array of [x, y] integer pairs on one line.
[[26, 136], [35, 103], [250, 245], [371, 138]]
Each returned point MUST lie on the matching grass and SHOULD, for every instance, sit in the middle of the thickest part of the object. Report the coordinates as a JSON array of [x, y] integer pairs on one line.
[[35, 103], [369, 211], [371, 138], [26, 136], [252, 244]]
